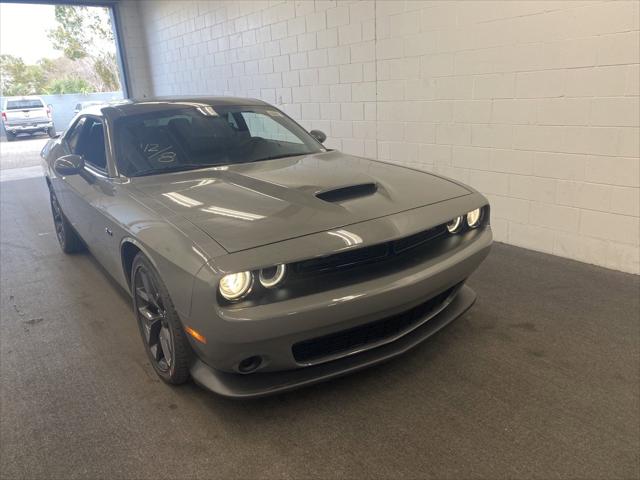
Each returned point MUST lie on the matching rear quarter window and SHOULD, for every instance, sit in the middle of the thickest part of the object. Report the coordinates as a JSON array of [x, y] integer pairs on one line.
[[24, 104]]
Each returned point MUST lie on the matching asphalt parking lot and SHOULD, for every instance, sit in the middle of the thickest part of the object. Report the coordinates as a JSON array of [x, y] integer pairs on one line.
[[539, 380]]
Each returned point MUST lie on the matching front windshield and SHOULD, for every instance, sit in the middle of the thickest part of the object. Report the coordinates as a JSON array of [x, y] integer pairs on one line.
[[198, 137]]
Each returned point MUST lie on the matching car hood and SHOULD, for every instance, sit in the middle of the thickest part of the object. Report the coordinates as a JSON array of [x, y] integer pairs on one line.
[[249, 205]]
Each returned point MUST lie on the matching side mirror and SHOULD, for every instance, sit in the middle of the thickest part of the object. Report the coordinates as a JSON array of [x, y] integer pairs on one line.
[[69, 165], [318, 135]]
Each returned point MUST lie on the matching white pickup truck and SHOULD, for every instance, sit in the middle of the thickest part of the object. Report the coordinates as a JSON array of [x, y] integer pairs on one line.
[[26, 115]]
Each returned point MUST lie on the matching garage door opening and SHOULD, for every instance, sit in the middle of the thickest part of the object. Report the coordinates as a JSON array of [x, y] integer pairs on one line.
[[55, 60]]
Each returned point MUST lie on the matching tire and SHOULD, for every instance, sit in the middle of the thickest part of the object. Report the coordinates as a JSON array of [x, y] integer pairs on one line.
[[51, 132], [68, 238], [11, 137], [159, 323]]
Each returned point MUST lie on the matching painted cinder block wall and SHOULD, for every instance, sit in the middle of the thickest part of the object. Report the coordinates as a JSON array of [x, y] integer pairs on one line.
[[133, 48], [533, 103]]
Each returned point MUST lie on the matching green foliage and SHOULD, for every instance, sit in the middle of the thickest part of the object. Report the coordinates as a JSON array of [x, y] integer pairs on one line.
[[47, 76], [16, 78], [85, 32], [68, 85], [85, 37], [69, 35], [106, 68]]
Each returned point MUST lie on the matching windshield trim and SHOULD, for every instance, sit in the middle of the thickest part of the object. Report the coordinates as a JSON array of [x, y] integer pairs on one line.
[[216, 166]]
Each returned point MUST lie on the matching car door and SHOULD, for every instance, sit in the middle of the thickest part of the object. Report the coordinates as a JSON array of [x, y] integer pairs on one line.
[[90, 194], [66, 145]]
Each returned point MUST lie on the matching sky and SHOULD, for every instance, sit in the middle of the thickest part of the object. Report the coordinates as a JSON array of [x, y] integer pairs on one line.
[[23, 31]]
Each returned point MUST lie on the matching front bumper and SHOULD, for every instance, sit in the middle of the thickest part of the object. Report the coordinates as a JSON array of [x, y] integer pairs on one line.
[[267, 383], [272, 331]]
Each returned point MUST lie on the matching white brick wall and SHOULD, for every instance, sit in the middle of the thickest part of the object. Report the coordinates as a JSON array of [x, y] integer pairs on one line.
[[535, 103], [135, 49]]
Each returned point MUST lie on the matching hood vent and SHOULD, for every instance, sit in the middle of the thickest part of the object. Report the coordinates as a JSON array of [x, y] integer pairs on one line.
[[347, 193]]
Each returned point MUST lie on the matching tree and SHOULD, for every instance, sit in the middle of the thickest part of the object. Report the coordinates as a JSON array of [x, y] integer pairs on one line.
[[17, 78], [69, 36], [48, 76], [84, 34], [68, 85], [89, 64], [105, 67]]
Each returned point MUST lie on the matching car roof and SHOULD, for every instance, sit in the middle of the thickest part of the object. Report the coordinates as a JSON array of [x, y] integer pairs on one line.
[[147, 105]]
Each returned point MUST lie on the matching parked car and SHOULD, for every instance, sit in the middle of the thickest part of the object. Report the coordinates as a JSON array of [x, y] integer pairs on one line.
[[26, 115], [257, 259], [82, 105]]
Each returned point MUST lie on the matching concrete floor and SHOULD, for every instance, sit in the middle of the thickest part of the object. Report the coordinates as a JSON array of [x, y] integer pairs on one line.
[[539, 380], [22, 152]]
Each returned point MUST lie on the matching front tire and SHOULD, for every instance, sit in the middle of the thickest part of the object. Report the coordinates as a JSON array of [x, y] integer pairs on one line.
[[160, 327], [11, 137], [51, 132], [69, 240]]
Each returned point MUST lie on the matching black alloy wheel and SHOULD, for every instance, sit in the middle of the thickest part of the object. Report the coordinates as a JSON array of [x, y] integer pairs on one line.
[[161, 331], [58, 221], [67, 237]]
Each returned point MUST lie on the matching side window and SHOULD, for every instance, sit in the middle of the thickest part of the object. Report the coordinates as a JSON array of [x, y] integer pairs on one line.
[[74, 134], [91, 144], [266, 127]]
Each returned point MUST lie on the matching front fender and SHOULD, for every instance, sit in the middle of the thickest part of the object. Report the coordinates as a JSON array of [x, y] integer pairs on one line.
[[176, 248]]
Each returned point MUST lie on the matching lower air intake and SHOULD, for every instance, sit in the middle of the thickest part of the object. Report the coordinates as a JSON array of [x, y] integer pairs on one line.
[[343, 342]]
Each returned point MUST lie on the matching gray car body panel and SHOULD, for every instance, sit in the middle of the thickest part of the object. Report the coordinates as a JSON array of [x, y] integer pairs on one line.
[[248, 205], [251, 386], [198, 225]]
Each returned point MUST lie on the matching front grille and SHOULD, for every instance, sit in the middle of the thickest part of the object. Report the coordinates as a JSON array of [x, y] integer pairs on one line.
[[417, 239], [374, 253], [351, 258], [370, 333]]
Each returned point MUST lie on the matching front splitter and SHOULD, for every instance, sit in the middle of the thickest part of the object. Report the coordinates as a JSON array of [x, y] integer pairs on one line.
[[261, 384]]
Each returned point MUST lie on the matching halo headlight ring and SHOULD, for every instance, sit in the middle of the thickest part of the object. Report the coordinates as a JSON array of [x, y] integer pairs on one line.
[[271, 277], [474, 217], [454, 225]]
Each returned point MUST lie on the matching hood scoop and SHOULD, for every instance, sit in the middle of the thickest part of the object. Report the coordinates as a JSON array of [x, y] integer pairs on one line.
[[348, 192]]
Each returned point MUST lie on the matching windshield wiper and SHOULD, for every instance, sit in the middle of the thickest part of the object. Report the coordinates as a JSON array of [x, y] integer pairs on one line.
[[194, 166], [176, 168], [284, 155]]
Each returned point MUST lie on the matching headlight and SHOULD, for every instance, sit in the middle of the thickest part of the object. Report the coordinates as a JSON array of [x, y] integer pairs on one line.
[[272, 276], [473, 217], [236, 285], [454, 225]]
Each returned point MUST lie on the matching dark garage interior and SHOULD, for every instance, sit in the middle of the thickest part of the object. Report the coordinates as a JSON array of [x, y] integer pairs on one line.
[[540, 378]]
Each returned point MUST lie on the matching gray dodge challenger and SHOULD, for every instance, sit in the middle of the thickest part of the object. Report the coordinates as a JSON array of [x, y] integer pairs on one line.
[[257, 259]]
